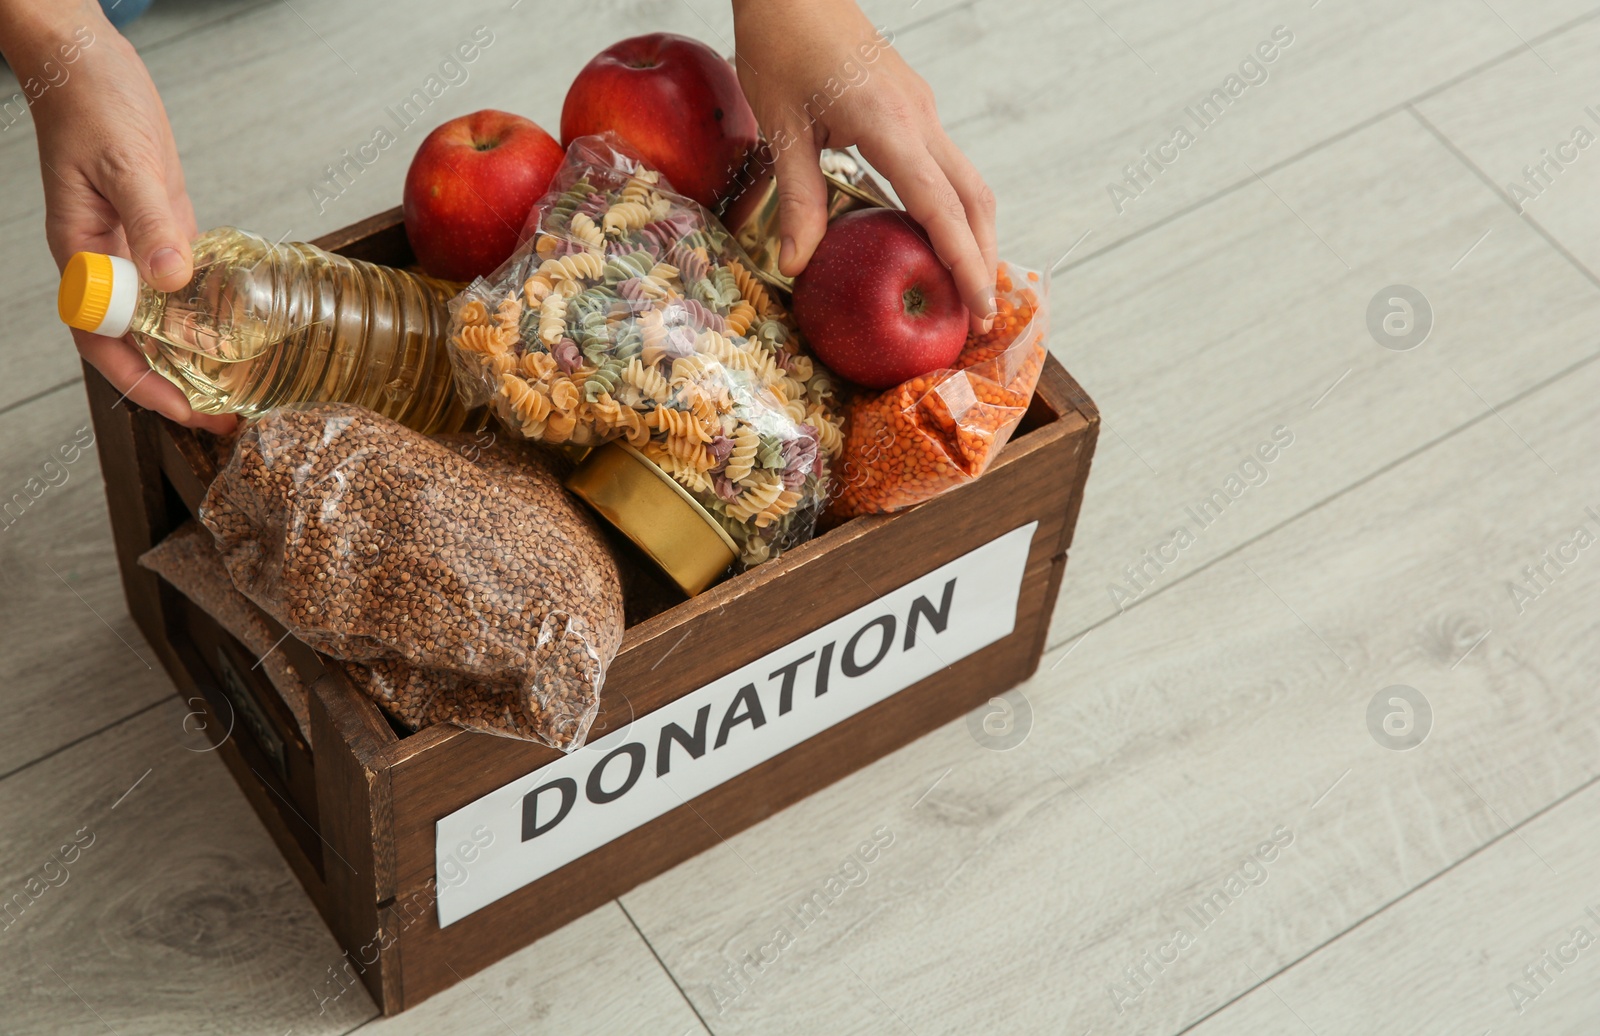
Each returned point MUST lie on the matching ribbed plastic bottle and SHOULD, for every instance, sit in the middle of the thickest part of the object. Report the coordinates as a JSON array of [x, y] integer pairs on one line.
[[262, 324]]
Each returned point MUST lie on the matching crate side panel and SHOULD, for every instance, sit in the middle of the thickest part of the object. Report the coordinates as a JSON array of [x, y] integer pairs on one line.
[[718, 640], [136, 499], [433, 958], [352, 801]]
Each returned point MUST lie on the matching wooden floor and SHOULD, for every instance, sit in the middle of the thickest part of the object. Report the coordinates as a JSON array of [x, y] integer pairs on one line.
[[1208, 827]]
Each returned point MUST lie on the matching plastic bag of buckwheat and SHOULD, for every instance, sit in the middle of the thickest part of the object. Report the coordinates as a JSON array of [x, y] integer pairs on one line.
[[463, 597]]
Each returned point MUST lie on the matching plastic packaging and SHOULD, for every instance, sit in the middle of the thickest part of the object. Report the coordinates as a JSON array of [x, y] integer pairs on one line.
[[465, 598], [261, 325], [188, 560], [926, 436], [753, 217], [630, 313]]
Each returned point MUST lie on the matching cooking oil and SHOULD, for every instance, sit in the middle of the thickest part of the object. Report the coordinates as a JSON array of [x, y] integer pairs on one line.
[[260, 325]]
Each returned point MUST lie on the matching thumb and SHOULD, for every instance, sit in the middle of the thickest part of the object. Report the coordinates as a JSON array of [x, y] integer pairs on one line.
[[802, 204], [159, 247]]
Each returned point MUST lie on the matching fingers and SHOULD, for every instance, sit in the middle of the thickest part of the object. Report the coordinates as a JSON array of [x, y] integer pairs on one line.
[[802, 203], [78, 219], [978, 201], [932, 201], [178, 191], [216, 424], [131, 375], [155, 231]]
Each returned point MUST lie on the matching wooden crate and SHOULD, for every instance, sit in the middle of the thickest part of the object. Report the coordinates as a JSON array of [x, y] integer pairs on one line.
[[355, 810]]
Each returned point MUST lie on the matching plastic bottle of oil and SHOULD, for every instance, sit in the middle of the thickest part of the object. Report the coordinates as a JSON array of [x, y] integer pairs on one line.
[[260, 325]]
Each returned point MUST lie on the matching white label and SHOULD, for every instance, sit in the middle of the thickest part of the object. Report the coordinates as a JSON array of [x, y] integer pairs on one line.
[[542, 822]]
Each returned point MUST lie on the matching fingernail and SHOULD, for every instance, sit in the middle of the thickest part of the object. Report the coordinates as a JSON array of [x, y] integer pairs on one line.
[[165, 263], [786, 252]]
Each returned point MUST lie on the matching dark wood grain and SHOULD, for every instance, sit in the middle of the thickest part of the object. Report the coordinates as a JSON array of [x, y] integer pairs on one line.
[[1058, 389], [188, 463], [295, 834], [376, 239], [126, 438], [240, 693], [353, 804]]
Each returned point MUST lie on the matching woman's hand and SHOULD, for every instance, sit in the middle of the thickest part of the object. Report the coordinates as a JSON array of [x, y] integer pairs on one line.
[[819, 75], [112, 181]]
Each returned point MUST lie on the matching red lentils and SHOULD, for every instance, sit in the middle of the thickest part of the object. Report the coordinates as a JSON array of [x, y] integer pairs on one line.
[[930, 434]]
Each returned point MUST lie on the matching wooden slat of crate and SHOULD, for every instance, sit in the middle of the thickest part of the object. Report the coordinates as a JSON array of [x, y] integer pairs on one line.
[[433, 959]]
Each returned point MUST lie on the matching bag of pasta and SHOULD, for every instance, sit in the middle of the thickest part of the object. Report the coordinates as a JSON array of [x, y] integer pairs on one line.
[[630, 313], [926, 436]]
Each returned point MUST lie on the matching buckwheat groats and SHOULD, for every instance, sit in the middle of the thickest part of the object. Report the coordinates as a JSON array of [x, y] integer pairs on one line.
[[539, 471], [468, 599]]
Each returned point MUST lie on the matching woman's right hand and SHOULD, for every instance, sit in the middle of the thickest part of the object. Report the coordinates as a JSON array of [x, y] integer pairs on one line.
[[112, 180], [788, 50]]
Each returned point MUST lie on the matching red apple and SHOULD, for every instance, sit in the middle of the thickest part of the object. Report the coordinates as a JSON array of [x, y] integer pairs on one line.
[[876, 303], [470, 187], [676, 102]]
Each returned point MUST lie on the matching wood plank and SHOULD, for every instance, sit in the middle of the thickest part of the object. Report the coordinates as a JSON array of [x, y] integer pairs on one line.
[[1168, 746], [164, 25], [180, 916], [1518, 116], [167, 24], [1465, 943], [353, 805], [273, 782], [596, 975], [1236, 320], [1054, 101], [71, 658], [127, 446]]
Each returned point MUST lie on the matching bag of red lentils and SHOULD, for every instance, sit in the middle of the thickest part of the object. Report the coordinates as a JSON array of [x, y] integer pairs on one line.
[[931, 434]]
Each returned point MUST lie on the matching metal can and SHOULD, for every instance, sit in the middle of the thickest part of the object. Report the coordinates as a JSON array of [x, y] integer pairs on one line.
[[649, 507]]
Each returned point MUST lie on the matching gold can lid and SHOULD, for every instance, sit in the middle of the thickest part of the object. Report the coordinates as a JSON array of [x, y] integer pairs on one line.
[[753, 218], [649, 507]]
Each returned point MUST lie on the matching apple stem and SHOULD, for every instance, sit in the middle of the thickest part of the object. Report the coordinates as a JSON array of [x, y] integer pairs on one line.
[[913, 301]]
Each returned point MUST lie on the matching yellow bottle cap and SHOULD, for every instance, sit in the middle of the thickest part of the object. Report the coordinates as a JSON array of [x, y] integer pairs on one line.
[[98, 293]]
